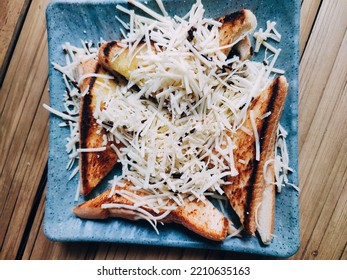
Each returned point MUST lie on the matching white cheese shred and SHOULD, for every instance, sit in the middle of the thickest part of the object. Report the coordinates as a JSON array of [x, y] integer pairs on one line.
[[91, 150]]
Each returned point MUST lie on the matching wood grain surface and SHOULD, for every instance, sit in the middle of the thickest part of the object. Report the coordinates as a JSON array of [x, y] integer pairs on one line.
[[24, 142], [12, 15]]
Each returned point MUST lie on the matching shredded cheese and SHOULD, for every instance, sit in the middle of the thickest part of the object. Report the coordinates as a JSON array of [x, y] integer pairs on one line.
[[91, 150]]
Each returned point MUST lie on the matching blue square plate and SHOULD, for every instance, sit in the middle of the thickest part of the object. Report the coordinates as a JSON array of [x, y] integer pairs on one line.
[[73, 21]]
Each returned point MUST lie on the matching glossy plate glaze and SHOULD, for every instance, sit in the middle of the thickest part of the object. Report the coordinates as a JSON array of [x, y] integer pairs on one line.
[[73, 21]]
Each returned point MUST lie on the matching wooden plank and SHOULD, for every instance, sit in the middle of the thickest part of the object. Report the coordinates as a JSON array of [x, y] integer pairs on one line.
[[127, 251], [319, 159], [11, 19], [111, 251], [330, 233], [335, 237], [309, 10], [23, 127], [24, 185], [344, 255], [24, 55], [317, 62], [331, 96], [155, 253]]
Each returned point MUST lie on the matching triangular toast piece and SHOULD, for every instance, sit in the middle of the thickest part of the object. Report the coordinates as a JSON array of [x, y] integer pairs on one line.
[[200, 217], [93, 166], [234, 26], [246, 190]]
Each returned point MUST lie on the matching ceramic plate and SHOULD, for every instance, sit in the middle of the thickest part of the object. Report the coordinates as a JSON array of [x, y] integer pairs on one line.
[[73, 21]]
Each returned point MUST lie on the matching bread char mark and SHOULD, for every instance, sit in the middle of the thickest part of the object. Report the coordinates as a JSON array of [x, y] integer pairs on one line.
[[108, 48], [239, 15], [87, 120], [250, 194]]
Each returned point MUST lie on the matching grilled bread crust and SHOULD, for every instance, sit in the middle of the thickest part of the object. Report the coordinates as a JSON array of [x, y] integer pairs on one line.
[[93, 166], [200, 217], [245, 192]]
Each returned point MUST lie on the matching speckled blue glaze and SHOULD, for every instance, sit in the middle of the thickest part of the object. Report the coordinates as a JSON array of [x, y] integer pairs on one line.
[[73, 21]]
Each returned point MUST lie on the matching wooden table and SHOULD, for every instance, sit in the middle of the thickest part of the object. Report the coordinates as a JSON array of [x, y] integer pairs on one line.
[[24, 140]]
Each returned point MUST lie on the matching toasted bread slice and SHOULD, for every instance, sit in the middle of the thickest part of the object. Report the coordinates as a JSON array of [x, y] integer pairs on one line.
[[234, 27], [93, 166], [200, 217], [246, 190]]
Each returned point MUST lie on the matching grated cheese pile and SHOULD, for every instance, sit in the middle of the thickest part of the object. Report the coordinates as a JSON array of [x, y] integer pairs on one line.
[[174, 131]]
